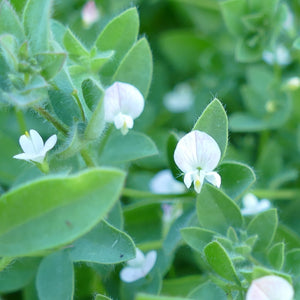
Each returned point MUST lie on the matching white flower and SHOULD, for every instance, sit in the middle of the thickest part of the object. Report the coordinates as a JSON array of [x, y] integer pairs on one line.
[[138, 267], [90, 13], [293, 83], [270, 287], [197, 154], [253, 206], [164, 183], [180, 99], [33, 146], [123, 103], [280, 56]]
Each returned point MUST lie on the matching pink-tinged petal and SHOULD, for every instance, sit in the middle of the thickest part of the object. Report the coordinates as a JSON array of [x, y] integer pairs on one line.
[[50, 143], [37, 141], [139, 259], [208, 151], [150, 260], [90, 13], [270, 288], [26, 144], [214, 178], [129, 274], [185, 153]]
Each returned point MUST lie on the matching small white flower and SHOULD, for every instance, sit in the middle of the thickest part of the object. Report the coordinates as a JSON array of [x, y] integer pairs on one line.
[[197, 154], [253, 206], [270, 287], [280, 56], [138, 267], [164, 183], [293, 83], [90, 13], [123, 103], [180, 99], [33, 146]]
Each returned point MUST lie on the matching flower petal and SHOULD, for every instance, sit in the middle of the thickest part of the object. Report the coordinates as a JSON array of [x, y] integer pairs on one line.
[[26, 144], [139, 259], [129, 274], [37, 141], [30, 157], [188, 179], [150, 260], [50, 143], [207, 150], [214, 178], [198, 181], [270, 288]]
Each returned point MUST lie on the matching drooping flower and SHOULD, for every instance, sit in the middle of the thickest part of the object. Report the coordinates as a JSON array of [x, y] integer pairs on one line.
[[280, 56], [197, 154], [270, 287], [90, 14], [253, 206], [180, 99], [33, 146], [138, 267], [164, 183], [123, 103]]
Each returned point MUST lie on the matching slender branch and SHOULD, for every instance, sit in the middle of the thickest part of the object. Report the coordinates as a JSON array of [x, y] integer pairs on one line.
[[144, 194], [285, 194], [87, 158], [21, 120], [56, 123], [75, 95]]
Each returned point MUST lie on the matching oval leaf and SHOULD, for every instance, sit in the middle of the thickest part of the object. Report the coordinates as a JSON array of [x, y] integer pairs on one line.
[[216, 211], [53, 211], [214, 122]]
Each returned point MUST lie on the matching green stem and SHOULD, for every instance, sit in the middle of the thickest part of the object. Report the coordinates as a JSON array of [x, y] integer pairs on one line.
[[21, 120], [56, 123], [87, 158], [105, 138], [286, 194], [144, 194], [75, 95]]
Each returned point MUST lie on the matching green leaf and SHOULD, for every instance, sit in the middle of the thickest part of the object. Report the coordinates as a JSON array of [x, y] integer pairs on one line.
[[93, 95], [264, 225], [236, 178], [98, 61], [276, 255], [232, 11], [18, 274], [196, 237], [9, 21], [136, 67], [214, 122], [9, 46], [102, 297], [55, 277], [207, 290], [36, 24], [120, 148], [219, 260], [297, 44], [76, 51], [292, 262], [104, 244], [64, 207], [51, 63], [216, 211], [119, 35], [247, 54]]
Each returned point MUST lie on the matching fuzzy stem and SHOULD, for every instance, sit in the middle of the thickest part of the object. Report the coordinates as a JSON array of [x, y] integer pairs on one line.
[[56, 123], [75, 95], [87, 158], [21, 120]]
